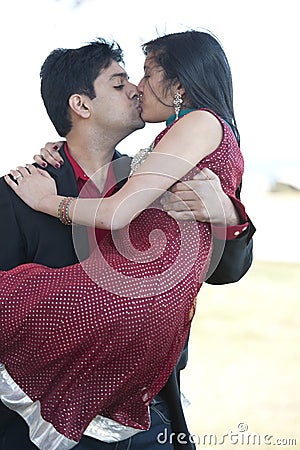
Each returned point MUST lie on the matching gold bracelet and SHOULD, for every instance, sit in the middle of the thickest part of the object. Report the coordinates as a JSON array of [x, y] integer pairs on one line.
[[63, 211]]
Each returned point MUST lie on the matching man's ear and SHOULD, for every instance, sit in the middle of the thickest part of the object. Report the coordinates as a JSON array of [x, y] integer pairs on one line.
[[79, 106]]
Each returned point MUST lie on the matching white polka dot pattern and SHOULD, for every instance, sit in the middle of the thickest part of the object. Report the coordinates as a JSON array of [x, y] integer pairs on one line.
[[82, 350]]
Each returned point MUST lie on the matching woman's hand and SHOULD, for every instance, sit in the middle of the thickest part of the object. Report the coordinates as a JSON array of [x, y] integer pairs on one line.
[[50, 154], [33, 185]]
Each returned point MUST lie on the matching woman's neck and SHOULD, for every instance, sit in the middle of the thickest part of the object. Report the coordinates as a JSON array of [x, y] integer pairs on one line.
[[172, 118]]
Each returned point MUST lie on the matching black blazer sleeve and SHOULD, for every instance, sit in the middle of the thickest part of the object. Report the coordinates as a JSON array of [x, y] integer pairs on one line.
[[237, 255], [29, 236], [12, 246], [236, 258]]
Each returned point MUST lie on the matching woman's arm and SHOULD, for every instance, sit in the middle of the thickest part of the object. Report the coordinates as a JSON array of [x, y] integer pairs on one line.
[[198, 134]]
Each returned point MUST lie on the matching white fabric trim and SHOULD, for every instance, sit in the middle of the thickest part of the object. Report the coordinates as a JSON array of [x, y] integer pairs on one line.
[[42, 433]]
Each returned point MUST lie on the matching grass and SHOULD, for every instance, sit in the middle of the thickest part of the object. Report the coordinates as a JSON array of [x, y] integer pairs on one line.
[[244, 359]]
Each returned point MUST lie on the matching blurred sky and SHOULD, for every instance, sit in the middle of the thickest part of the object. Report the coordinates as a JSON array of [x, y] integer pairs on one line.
[[261, 39]]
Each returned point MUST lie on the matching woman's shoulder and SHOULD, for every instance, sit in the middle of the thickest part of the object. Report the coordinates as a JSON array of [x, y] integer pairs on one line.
[[201, 121], [202, 115], [214, 121], [202, 126]]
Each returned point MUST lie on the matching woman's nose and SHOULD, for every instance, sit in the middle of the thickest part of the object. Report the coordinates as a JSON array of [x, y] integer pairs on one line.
[[140, 86]]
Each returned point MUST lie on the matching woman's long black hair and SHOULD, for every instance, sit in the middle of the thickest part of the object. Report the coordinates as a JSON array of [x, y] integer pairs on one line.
[[198, 61]]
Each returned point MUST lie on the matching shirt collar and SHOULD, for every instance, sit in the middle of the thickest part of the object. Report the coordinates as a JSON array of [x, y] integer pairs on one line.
[[78, 171], [81, 176]]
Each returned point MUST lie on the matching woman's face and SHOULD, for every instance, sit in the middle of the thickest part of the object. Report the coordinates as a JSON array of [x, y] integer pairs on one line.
[[156, 100]]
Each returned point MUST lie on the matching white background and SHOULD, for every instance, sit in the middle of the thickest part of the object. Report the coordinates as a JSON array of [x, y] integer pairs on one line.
[[260, 38]]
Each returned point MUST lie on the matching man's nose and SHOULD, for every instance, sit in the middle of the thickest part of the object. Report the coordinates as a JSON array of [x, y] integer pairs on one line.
[[133, 90]]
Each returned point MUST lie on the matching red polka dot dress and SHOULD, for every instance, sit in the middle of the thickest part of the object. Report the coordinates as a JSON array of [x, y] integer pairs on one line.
[[101, 338]]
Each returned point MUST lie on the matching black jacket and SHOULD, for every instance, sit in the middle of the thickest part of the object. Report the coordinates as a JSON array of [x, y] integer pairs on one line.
[[30, 236]]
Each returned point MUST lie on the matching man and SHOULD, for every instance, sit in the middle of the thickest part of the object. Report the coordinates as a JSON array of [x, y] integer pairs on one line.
[[93, 126]]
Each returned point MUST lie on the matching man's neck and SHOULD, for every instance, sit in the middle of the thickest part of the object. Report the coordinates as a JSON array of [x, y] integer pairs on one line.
[[91, 156]]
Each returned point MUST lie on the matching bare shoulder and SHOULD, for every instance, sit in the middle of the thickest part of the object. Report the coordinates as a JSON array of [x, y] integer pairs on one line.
[[197, 130], [201, 118]]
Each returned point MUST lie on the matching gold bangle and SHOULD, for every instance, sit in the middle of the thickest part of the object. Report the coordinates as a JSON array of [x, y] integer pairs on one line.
[[63, 211]]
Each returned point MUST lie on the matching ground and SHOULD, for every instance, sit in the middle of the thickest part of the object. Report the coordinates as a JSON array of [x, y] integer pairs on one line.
[[244, 361]]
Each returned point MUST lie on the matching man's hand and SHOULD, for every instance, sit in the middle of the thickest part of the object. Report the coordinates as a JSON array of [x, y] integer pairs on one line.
[[202, 199]]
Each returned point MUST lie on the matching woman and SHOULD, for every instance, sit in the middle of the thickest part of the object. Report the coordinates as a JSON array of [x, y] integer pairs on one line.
[[161, 273]]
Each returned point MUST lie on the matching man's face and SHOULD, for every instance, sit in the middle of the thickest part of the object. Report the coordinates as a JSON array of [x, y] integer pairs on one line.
[[116, 107]]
